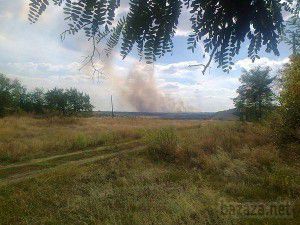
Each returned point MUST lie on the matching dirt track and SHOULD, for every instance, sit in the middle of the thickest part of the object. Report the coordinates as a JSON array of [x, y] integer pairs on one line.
[[15, 173]]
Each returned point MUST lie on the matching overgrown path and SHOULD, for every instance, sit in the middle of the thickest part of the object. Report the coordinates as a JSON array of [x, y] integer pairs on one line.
[[15, 173], [70, 154]]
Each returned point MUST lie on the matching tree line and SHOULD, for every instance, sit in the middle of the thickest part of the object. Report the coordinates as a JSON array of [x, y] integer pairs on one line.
[[15, 98], [257, 102]]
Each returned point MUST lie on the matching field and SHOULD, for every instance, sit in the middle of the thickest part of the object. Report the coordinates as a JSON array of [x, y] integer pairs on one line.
[[141, 171]]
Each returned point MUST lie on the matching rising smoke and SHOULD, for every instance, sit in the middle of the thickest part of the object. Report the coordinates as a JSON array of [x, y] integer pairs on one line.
[[140, 90]]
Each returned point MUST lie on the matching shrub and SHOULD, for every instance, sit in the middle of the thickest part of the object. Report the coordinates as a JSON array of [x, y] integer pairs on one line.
[[162, 144], [81, 141]]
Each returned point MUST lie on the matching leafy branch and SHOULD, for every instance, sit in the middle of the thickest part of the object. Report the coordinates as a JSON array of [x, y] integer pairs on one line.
[[150, 25]]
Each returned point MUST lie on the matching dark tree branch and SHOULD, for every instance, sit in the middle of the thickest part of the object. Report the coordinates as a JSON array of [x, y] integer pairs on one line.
[[206, 66], [90, 60]]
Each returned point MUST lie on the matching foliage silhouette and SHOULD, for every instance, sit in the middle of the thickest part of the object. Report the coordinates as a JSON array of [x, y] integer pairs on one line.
[[223, 25]]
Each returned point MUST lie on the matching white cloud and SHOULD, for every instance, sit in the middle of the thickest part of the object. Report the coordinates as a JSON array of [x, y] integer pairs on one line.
[[247, 63], [5, 15], [210, 95], [2, 38], [35, 68], [179, 67], [182, 33], [184, 26], [204, 92], [122, 10]]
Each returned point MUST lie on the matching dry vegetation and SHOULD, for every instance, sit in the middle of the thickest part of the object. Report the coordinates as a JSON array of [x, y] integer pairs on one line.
[[23, 138], [175, 172]]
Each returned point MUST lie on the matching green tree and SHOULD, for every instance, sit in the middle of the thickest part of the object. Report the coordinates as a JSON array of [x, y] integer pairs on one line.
[[14, 98], [255, 96], [26, 103], [67, 102], [56, 101], [11, 94], [292, 35], [77, 101], [150, 25], [33, 102], [87, 106], [5, 95], [292, 31], [290, 101], [37, 100]]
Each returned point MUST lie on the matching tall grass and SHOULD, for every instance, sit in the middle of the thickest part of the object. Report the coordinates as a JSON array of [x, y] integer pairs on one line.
[[23, 138], [203, 164], [163, 144], [231, 154]]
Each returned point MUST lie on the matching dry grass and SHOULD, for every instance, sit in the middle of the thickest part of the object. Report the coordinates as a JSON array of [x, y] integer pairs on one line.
[[193, 166], [25, 138], [233, 154], [162, 144], [124, 190]]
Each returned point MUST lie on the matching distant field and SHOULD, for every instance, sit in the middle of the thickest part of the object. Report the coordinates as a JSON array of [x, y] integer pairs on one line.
[[221, 115], [140, 171], [158, 115]]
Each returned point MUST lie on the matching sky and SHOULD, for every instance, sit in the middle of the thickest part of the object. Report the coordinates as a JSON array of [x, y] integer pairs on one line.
[[35, 54]]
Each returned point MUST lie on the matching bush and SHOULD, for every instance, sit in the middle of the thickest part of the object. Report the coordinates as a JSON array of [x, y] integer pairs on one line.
[[162, 144]]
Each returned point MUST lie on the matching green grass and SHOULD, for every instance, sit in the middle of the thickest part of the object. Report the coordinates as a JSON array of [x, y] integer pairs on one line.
[[181, 177]]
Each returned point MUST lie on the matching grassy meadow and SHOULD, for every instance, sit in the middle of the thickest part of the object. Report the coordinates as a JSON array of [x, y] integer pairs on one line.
[[24, 138], [141, 171]]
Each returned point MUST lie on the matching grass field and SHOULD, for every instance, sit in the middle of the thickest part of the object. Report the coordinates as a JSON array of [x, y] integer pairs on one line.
[[141, 171]]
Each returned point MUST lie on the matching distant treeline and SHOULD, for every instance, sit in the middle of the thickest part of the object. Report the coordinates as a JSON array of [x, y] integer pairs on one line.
[[15, 98]]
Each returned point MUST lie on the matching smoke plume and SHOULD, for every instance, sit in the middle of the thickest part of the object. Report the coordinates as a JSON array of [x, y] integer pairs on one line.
[[140, 90]]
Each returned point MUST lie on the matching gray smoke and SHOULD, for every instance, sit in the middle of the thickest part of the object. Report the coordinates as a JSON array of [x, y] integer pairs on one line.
[[141, 92]]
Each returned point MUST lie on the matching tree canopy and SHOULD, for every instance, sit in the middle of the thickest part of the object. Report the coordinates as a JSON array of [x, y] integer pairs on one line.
[[289, 100], [15, 98], [292, 34], [150, 25], [255, 96]]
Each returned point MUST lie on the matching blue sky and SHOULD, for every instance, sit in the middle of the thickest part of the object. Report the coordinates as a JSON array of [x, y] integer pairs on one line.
[[35, 55]]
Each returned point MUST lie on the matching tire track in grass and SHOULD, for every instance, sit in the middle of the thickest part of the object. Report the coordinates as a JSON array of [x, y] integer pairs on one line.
[[44, 159], [32, 174], [16, 172], [48, 162], [85, 151]]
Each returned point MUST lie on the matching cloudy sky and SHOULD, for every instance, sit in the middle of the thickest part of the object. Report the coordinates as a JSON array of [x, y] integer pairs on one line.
[[36, 55]]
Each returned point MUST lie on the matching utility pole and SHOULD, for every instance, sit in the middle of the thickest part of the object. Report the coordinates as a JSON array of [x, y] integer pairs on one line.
[[112, 107]]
